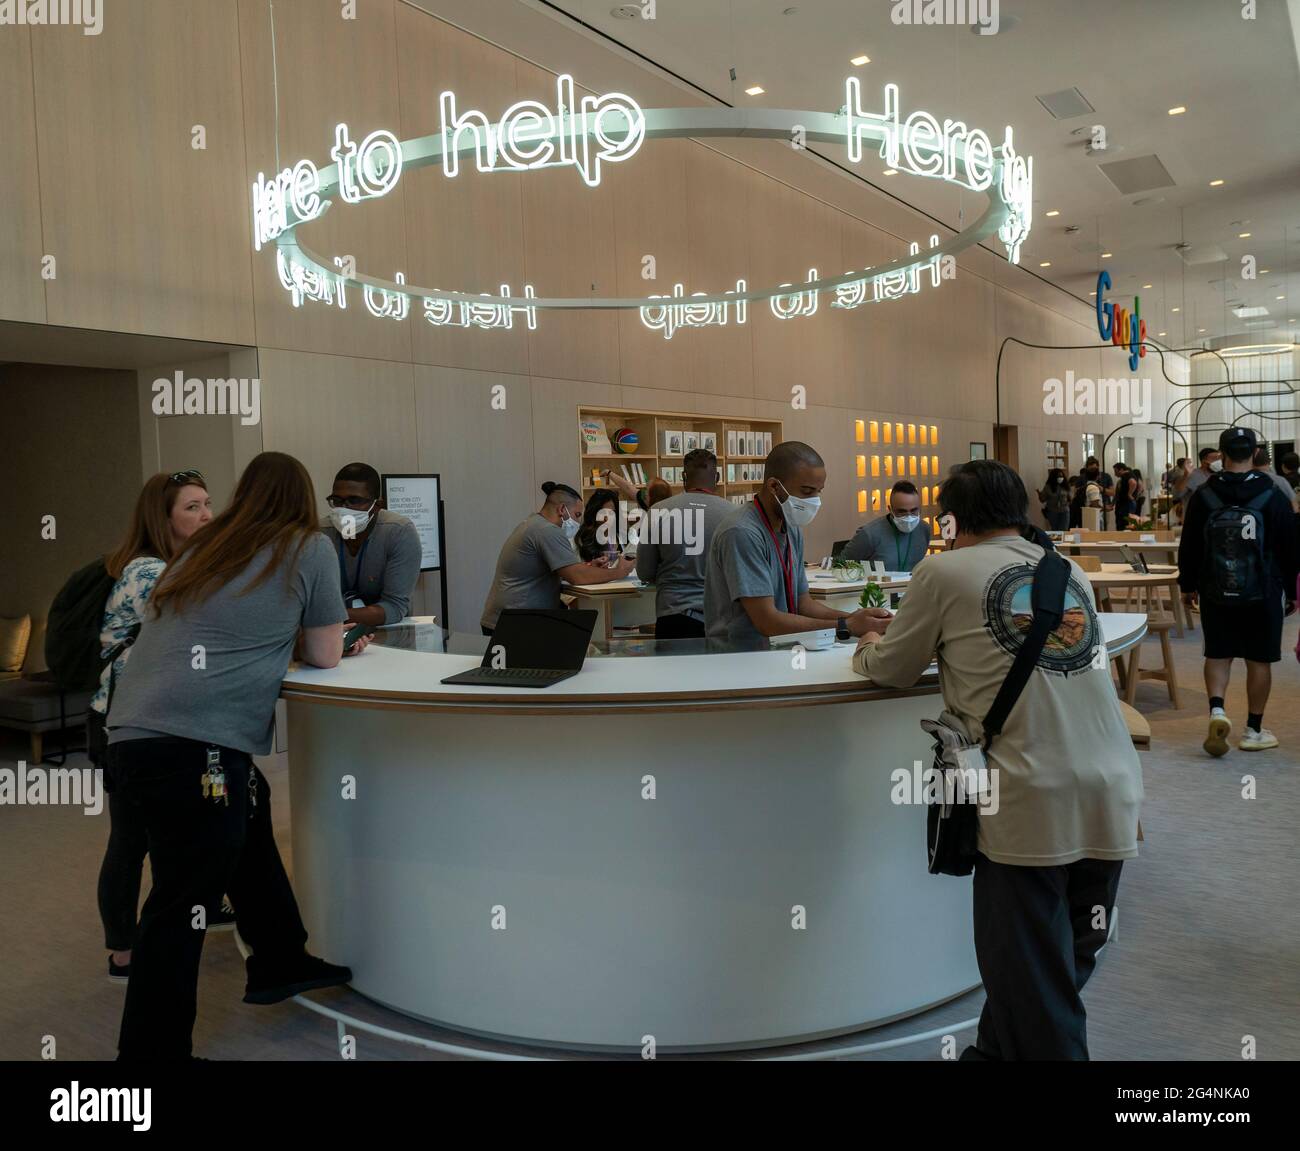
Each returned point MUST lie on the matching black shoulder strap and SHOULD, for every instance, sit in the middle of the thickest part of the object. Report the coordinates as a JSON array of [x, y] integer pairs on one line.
[[1051, 577], [1210, 498]]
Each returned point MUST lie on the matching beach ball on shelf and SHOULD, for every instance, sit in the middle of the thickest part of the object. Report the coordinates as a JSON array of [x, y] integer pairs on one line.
[[625, 440]]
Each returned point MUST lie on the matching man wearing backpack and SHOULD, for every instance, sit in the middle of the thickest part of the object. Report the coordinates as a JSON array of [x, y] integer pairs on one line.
[[1238, 556]]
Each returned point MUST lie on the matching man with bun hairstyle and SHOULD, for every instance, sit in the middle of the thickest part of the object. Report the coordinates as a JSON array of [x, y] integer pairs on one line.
[[539, 556]]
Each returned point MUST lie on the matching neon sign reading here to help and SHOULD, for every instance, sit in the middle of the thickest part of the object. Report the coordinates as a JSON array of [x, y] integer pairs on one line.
[[589, 131], [1122, 328], [955, 153]]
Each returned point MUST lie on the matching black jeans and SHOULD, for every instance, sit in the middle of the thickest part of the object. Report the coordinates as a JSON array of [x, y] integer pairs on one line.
[[678, 627], [119, 874], [198, 849], [1037, 946]]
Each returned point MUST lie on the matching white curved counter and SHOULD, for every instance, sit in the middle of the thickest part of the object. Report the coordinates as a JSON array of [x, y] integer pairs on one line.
[[698, 848]]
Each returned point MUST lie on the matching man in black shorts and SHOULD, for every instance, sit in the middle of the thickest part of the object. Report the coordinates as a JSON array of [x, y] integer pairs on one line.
[[1238, 556]]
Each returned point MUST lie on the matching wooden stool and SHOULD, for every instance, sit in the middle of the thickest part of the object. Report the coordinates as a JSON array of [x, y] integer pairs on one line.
[[1136, 673], [1138, 728]]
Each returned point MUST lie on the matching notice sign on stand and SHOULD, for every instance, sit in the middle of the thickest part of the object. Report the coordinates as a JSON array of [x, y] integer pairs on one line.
[[417, 497]]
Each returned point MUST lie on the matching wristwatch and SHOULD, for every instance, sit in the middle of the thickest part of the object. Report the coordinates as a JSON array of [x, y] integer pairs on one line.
[[842, 632]]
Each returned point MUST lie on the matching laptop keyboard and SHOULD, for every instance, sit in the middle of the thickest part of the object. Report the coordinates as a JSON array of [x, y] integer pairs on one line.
[[518, 672]]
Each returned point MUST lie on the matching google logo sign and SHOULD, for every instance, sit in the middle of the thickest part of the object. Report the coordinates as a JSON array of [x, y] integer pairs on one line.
[[1120, 326]]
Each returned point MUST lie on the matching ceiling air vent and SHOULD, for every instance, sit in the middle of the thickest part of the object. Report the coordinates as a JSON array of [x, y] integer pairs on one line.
[[1244, 313], [1066, 103], [1140, 174]]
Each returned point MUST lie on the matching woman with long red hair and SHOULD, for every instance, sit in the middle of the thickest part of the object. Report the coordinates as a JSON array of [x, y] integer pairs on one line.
[[196, 703]]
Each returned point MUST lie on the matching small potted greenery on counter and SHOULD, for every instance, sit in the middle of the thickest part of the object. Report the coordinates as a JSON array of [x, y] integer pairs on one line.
[[873, 595]]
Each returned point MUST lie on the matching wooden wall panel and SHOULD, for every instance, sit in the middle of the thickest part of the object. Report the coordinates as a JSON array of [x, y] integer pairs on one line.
[[484, 454], [331, 71], [22, 291], [150, 235], [651, 194], [568, 251], [463, 234], [717, 216], [333, 410], [790, 234]]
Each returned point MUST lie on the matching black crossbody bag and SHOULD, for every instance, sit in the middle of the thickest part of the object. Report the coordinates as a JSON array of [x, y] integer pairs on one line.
[[960, 765]]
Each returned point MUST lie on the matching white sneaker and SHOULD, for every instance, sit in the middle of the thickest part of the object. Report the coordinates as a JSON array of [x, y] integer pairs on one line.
[[1260, 740], [1216, 742]]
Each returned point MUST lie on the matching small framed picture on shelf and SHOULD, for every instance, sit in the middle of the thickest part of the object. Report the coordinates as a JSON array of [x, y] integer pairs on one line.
[[709, 442], [692, 441], [979, 451], [673, 442], [731, 442]]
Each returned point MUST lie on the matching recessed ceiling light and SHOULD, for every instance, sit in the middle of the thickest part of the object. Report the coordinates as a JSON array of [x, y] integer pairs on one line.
[[754, 91], [1177, 111], [1279, 297], [1164, 333], [1216, 183], [1200, 329], [1106, 255], [1145, 287], [890, 172], [1045, 264], [1243, 235], [1263, 271], [1053, 212], [1175, 309], [858, 61]]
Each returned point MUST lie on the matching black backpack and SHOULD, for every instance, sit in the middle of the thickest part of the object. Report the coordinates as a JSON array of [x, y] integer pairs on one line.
[[1235, 569], [72, 644]]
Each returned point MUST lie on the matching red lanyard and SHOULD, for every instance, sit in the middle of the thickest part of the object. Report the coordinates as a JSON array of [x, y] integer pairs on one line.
[[786, 561]]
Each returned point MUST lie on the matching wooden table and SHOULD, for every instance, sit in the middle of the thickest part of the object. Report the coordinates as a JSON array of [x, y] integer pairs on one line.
[[1166, 548], [1122, 576]]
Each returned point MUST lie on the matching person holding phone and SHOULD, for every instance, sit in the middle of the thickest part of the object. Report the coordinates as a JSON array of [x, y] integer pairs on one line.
[[196, 703]]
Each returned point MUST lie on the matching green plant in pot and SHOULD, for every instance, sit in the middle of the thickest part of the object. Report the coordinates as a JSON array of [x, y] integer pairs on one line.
[[849, 571], [873, 595]]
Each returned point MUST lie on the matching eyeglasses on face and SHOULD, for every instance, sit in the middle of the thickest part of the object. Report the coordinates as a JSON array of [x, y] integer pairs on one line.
[[352, 503], [188, 476]]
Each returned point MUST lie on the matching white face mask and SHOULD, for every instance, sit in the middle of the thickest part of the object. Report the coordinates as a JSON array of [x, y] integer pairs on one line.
[[800, 512], [905, 523], [349, 523], [570, 528], [1216, 465]]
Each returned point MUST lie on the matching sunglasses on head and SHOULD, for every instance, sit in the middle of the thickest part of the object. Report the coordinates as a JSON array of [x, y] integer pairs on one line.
[[189, 475]]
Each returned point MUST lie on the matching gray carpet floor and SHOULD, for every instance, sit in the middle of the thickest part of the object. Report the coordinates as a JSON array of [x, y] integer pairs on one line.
[[1207, 957]]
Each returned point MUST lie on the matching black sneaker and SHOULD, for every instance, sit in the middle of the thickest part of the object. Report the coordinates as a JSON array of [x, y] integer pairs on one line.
[[118, 973], [224, 919], [273, 983]]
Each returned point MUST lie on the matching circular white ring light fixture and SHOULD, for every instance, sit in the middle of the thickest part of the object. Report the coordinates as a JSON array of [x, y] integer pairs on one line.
[[611, 128]]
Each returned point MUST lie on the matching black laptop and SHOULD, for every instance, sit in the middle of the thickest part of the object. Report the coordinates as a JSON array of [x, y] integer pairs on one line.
[[533, 648], [837, 547]]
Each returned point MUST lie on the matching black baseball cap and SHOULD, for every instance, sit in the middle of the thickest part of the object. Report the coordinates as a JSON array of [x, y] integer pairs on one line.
[[1234, 437]]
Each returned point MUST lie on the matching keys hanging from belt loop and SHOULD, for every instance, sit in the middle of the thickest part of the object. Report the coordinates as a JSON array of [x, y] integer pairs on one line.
[[252, 790]]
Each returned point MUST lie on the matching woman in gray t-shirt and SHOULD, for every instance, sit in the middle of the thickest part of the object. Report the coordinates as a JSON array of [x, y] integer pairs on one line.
[[194, 706]]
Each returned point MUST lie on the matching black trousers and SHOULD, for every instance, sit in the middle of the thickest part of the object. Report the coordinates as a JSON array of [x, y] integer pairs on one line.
[[119, 874], [198, 850], [678, 627], [1037, 946]]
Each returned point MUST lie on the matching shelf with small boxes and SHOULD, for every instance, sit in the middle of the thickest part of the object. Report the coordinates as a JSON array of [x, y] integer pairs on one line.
[[644, 446]]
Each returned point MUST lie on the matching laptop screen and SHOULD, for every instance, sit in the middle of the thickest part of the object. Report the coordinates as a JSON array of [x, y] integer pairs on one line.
[[537, 637], [837, 547]]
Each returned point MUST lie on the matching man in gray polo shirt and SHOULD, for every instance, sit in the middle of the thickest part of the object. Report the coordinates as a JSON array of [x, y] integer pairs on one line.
[[754, 584], [896, 539], [378, 551], [675, 547]]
